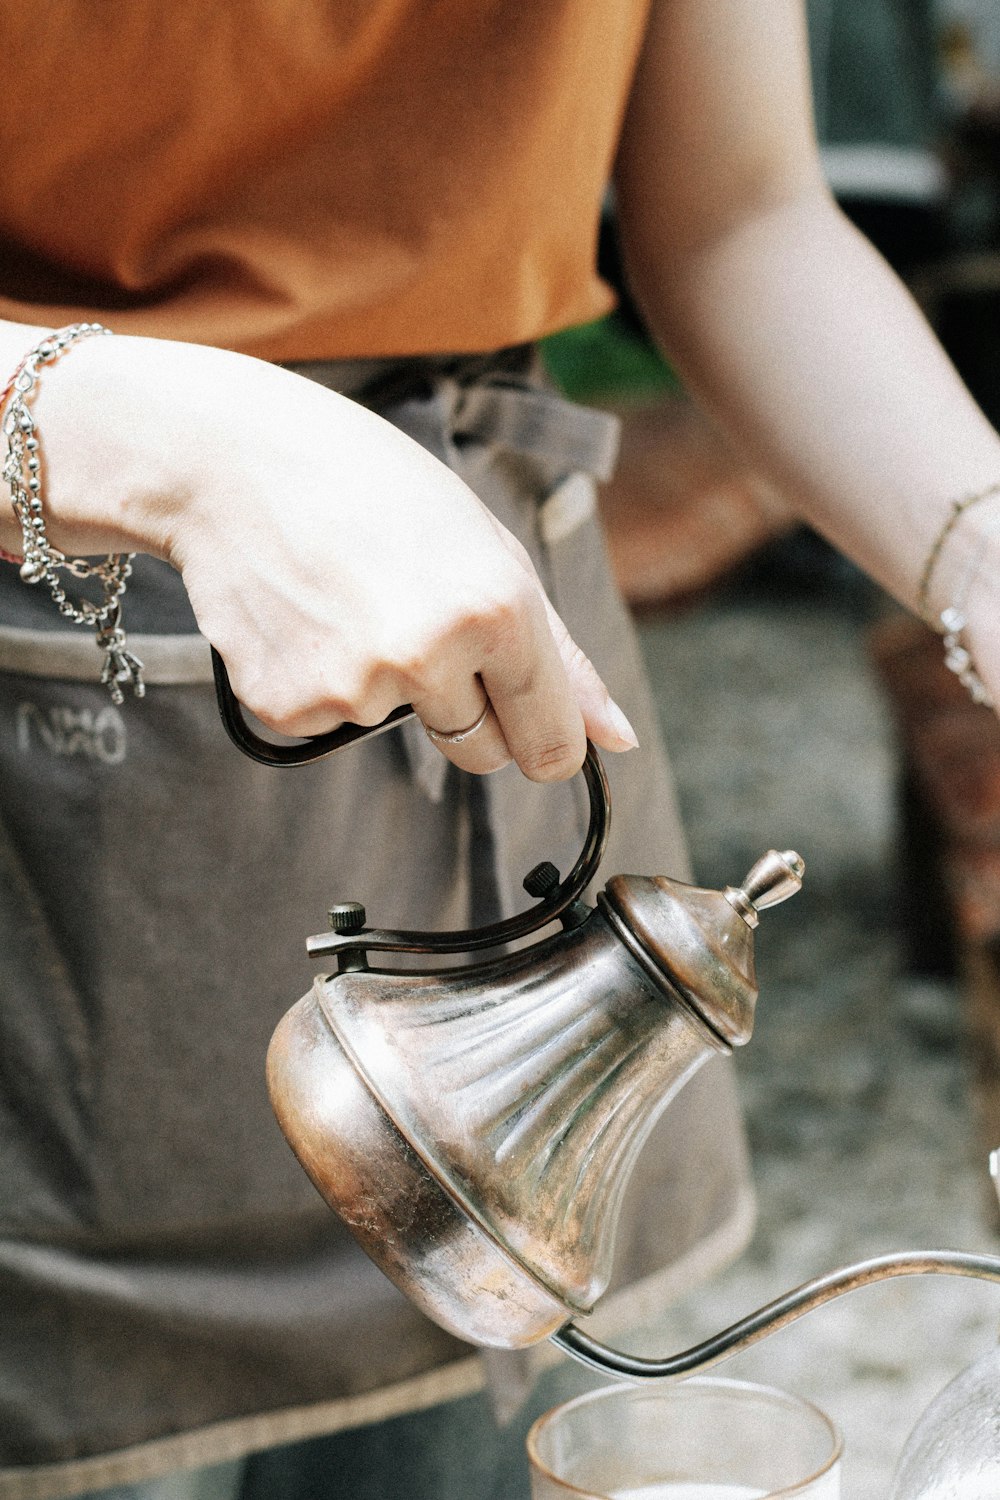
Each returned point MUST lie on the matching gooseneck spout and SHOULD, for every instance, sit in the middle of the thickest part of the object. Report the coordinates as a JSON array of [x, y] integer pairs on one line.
[[776, 1315]]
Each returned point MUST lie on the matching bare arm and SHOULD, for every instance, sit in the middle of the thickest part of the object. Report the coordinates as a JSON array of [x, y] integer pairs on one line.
[[339, 568], [784, 319]]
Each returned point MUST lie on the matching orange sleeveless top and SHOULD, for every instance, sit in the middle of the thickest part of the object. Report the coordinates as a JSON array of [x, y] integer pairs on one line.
[[316, 179]]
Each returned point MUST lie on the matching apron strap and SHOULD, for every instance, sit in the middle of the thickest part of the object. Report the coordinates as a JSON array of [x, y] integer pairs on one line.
[[530, 419]]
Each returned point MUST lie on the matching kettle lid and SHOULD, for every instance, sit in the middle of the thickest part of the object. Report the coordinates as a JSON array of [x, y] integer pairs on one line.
[[699, 943]]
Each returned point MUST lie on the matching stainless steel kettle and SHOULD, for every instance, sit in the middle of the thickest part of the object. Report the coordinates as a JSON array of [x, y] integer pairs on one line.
[[476, 1126]]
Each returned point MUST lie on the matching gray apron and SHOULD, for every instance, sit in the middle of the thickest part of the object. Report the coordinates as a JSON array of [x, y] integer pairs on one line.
[[172, 1290]]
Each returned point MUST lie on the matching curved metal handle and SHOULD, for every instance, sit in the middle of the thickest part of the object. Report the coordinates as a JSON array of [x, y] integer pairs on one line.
[[551, 906], [266, 752], [775, 1315]]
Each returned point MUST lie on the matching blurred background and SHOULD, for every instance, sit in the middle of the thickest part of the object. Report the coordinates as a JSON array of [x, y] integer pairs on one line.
[[804, 710]]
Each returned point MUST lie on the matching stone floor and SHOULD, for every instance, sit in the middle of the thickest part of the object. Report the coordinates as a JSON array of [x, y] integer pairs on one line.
[[856, 1083]]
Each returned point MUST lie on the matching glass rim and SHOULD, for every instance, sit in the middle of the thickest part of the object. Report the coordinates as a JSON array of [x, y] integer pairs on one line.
[[714, 1382]]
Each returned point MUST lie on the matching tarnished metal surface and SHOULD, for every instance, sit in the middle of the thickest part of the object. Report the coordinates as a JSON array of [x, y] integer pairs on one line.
[[399, 1213], [701, 941], [477, 1127], [529, 1085]]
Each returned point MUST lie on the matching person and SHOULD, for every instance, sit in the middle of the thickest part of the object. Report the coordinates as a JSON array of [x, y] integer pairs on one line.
[[325, 239]]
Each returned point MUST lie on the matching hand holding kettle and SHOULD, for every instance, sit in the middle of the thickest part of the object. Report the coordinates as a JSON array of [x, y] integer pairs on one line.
[[339, 568]]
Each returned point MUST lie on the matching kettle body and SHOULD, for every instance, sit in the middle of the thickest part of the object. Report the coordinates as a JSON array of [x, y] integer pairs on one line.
[[476, 1127]]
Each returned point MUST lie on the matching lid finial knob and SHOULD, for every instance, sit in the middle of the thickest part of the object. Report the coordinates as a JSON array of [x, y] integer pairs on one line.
[[773, 879]]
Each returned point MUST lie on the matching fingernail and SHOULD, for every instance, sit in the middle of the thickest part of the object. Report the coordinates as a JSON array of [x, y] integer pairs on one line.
[[622, 727]]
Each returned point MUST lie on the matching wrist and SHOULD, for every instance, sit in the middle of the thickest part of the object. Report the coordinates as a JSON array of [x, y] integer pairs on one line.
[[981, 603], [45, 565], [110, 454], [22, 466], [955, 557], [16, 339], [130, 431]]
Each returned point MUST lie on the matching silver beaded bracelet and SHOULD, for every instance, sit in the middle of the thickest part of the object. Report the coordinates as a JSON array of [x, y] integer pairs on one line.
[[952, 621], [957, 657], [42, 562]]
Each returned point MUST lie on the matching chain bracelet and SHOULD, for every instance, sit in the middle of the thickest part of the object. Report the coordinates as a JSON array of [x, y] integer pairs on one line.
[[44, 563], [956, 510], [952, 621]]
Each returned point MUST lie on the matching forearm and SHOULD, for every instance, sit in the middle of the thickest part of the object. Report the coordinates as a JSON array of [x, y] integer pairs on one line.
[[807, 346]]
